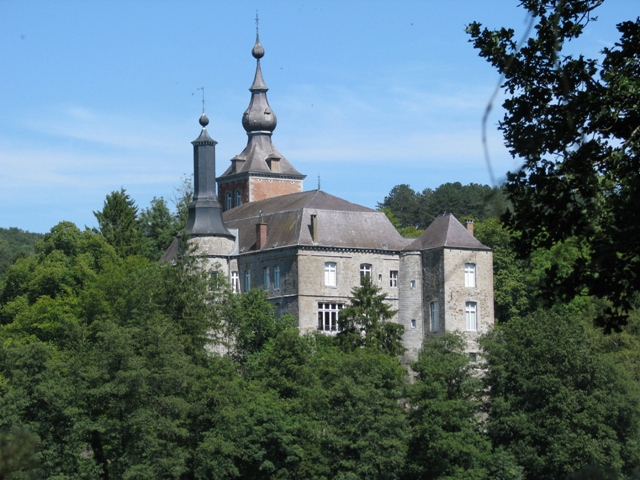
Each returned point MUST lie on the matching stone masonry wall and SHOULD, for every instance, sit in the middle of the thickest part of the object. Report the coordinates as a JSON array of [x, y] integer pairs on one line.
[[312, 290], [410, 308], [457, 294]]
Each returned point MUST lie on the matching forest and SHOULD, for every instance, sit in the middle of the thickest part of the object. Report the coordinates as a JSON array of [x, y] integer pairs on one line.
[[113, 365]]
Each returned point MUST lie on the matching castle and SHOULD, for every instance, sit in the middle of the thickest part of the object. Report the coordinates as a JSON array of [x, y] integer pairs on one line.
[[309, 249]]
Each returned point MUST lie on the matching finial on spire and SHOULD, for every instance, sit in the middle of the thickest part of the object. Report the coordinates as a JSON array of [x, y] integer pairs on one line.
[[204, 120], [258, 51], [318, 181]]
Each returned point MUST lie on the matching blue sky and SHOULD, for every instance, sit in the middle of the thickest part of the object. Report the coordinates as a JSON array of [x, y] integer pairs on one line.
[[97, 95]]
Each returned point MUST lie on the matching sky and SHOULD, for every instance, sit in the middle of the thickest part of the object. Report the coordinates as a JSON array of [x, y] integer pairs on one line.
[[96, 96]]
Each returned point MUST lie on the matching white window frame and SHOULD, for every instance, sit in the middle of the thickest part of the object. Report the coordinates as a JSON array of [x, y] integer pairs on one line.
[[365, 270], [247, 280], [265, 278], [393, 278], [470, 275], [235, 282], [471, 316], [228, 198], [434, 316], [330, 274], [328, 316], [238, 197], [276, 277]]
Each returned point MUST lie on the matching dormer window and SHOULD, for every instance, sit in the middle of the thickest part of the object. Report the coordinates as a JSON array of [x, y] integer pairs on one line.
[[274, 164]]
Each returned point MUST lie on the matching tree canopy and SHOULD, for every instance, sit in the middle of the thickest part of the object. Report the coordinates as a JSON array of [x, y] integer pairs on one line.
[[411, 209], [575, 123]]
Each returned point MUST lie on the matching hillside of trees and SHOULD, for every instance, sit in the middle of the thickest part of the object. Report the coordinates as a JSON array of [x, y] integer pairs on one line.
[[115, 366], [15, 243]]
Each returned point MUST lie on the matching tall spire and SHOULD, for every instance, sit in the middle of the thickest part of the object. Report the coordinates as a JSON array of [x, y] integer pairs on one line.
[[205, 212], [259, 117], [243, 181]]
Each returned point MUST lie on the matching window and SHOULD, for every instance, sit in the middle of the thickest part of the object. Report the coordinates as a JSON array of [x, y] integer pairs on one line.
[[393, 278], [228, 201], [434, 315], [276, 277], [413, 324], [413, 284], [238, 197], [328, 316], [265, 278], [471, 316], [247, 280], [469, 274], [365, 270], [235, 282], [330, 274]]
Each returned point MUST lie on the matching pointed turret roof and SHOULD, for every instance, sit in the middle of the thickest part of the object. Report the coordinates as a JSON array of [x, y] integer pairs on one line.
[[205, 212], [259, 121], [446, 231]]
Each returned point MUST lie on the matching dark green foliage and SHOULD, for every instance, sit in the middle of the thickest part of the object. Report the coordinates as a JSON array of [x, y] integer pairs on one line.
[[574, 123], [118, 223], [404, 203], [556, 402], [446, 436], [365, 321], [250, 320], [17, 447], [14, 244], [414, 211], [158, 228]]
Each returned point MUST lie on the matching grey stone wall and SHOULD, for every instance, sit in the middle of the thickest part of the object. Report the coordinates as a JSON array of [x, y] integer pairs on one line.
[[410, 308], [311, 285], [457, 294]]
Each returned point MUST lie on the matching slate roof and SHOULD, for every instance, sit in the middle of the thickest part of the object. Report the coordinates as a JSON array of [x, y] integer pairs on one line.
[[259, 148], [340, 223], [446, 231]]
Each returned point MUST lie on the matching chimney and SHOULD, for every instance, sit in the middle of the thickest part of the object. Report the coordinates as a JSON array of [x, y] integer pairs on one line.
[[469, 225], [314, 228], [261, 233]]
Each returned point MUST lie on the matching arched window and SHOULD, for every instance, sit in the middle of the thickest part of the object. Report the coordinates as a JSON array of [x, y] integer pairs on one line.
[[238, 197]]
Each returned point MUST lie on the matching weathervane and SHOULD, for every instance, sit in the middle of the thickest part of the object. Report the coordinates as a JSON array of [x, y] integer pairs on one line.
[[257, 24], [202, 88], [318, 181]]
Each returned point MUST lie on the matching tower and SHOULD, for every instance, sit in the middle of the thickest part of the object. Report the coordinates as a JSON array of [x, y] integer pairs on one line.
[[260, 171], [205, 226]]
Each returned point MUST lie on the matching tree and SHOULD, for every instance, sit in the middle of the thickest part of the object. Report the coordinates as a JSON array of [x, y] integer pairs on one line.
[[446, 434], [365, 321], [574, 122], [14, 244], [411, 212], [118, 223], [556, 402], [159, 228], [404, 203], [463, 201]]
